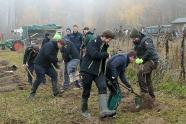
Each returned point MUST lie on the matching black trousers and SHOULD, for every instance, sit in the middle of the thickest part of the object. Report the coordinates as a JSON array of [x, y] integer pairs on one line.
[[87, 80], [144, 78], [112, 85], [40, 74]]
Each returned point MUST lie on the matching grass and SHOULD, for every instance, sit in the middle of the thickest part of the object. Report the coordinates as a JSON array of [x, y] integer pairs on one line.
[[15, 108], [174, 89]]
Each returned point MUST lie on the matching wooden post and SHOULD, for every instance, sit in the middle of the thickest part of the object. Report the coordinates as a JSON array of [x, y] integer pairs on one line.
[[183, 73], [167, 48]]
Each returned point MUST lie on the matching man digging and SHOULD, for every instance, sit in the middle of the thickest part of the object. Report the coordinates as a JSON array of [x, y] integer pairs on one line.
[[115, 68], [147, 58], [45, 62], [28, 60]]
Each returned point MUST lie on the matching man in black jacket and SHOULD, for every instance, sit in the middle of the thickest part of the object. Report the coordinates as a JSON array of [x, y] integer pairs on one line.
[[46, 39], [68, 34], [147, 58], [93, 69], [76, 38], [71, 59], [28, 60], [45, 62]]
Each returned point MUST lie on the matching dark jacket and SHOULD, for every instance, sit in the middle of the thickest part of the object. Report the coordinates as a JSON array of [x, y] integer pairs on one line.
[[87, 38], [116, 66], [95, 58], [47, 55], [45, 40], [29, 55], [145, 49], [67, 37], [77, 39], [69, 52]]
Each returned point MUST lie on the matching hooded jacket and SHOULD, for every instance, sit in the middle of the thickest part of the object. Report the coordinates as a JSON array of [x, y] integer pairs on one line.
[[95, 58], [47, 55]]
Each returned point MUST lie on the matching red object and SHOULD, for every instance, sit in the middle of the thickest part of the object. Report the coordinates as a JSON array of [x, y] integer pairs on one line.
[[17, 46]]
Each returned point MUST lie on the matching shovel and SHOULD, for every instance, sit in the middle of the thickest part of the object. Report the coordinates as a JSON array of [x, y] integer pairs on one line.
[[29, 72], [138, 100]]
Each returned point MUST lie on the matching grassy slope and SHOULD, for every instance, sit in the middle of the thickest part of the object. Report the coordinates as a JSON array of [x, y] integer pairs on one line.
[[15, 108]]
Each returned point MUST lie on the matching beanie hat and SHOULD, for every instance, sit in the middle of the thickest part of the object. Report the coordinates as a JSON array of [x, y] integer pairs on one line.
[[135, 33], [57, 37]]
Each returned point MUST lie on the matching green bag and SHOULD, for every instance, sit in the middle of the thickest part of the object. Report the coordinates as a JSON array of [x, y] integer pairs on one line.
[[114, 100]]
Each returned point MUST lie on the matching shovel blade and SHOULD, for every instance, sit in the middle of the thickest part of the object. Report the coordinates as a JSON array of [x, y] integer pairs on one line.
[[138, 102]]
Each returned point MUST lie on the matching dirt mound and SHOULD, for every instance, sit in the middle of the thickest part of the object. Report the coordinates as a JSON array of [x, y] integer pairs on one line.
[[159, 107], [4, 63], [128, 105], [9, 80], [147, 102]]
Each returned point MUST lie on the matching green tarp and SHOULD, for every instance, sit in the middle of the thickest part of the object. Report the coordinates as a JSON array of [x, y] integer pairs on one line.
[[42, 27], [36, 28]]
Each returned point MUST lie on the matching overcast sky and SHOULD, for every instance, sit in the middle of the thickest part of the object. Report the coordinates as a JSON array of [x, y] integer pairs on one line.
[[93, 13]]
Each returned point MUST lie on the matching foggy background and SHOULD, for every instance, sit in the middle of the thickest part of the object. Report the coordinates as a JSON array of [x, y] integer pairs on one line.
[[99, 14]]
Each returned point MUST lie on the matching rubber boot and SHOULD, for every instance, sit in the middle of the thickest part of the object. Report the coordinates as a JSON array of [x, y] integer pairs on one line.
[[55, 89], [104, 111], [31, 96], [35, 85], [84, 108]]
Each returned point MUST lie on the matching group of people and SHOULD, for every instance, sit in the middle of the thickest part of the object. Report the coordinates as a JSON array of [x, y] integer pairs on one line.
[[96, 65]]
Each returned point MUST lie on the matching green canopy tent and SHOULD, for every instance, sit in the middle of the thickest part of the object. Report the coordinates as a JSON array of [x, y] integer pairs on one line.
[[37, 32]]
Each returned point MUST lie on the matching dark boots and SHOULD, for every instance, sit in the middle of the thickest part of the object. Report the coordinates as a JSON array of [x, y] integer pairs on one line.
[[55, 89], [84, 107]]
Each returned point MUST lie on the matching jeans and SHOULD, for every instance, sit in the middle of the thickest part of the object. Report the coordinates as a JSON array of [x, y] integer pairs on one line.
[[40, 74], [65, 76], [69, 68], [87, 80]]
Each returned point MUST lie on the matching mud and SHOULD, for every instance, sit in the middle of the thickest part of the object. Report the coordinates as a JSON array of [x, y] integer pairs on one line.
[[4, 63], [128, 104], [9, 80], [147, 102]]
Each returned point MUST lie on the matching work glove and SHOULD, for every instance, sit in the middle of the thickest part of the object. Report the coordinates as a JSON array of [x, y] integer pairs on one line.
[[139, 61], [113, 78]]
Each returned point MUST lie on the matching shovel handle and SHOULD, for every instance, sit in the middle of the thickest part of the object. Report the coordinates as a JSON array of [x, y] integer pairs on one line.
[[129, 89], [29, 72]]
